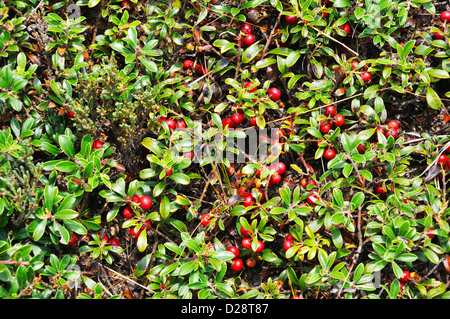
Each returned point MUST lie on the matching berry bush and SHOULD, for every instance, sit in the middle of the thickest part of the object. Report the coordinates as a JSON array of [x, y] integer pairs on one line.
[[224, 149]]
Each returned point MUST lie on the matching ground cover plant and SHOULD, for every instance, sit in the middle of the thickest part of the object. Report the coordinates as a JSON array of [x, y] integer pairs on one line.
[[224, 149]]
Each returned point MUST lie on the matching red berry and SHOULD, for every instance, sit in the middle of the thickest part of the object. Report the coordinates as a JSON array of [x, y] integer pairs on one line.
[[237, 264], [133, 233], [246, 28], [296, 297], [289, 237], [73, 241], [324, 128], [249, 84], [280, 167], [125, 3], [249, 201], [237, 118], [366, 76], [438, 35], [354, 65], [391, 132], [288, 244], [243, 192], [249, 40], [442, 159], [405, 277], [274, 94], [393, 124], [246, 243], [380, 190], [245, 233], [205, 220], [234, 250], [171, 124], [189, 155], [146, 202], [361, 148], [187, 64], [330, 110], [445, 16], [275, 179], [329, 154], [259, 246], [291, 20], [227, 121], [127, 212], [250, 262], [253, 121], [136, 199], [346, 28], [97, 144], [339, 120], [114, 242], [430, 232], [181, 125], [312, 199]]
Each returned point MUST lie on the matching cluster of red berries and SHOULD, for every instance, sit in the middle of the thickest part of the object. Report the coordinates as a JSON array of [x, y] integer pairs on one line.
[[145, 202], [237, 264], [172, 124], [248, 38], [199, 69], [391, 129], [289, 242], [333, 118]]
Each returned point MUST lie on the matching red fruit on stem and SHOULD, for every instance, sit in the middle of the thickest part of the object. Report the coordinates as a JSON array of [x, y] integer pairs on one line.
[[430, 232], [237, 118], [127, 212], [246, 28], [312, 199], [245, 233], [274, 94], [249, 39], [146, 202], [249, 201], [187, 64], [249, 84], [171, 124], [391, 132], [393, 124], [114, 242], [246, 243], [329, 153], [169, 172], [330, 110], [97, 144], [354, 65], [181, 125], [234, 250], [445, 16], [253, 121], [204, 219], [346, 28], [280, 167], [73, 241], [442, 159], [380, 190], [361, 148], [133, 233], [405, 277], [288, 244], [291, 20], [136, 199], [289, 237], [259, 246], [324, 128], [243, 192], [339, 120], [227, 121], [366, 76], [275, 179], [438, 35], [237, 264]]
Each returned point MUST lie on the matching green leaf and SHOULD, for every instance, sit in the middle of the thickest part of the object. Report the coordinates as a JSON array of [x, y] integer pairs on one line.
[[180, 178], [66, 214], [66, 145], [433, 99], [164, 207], [251, 52]]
